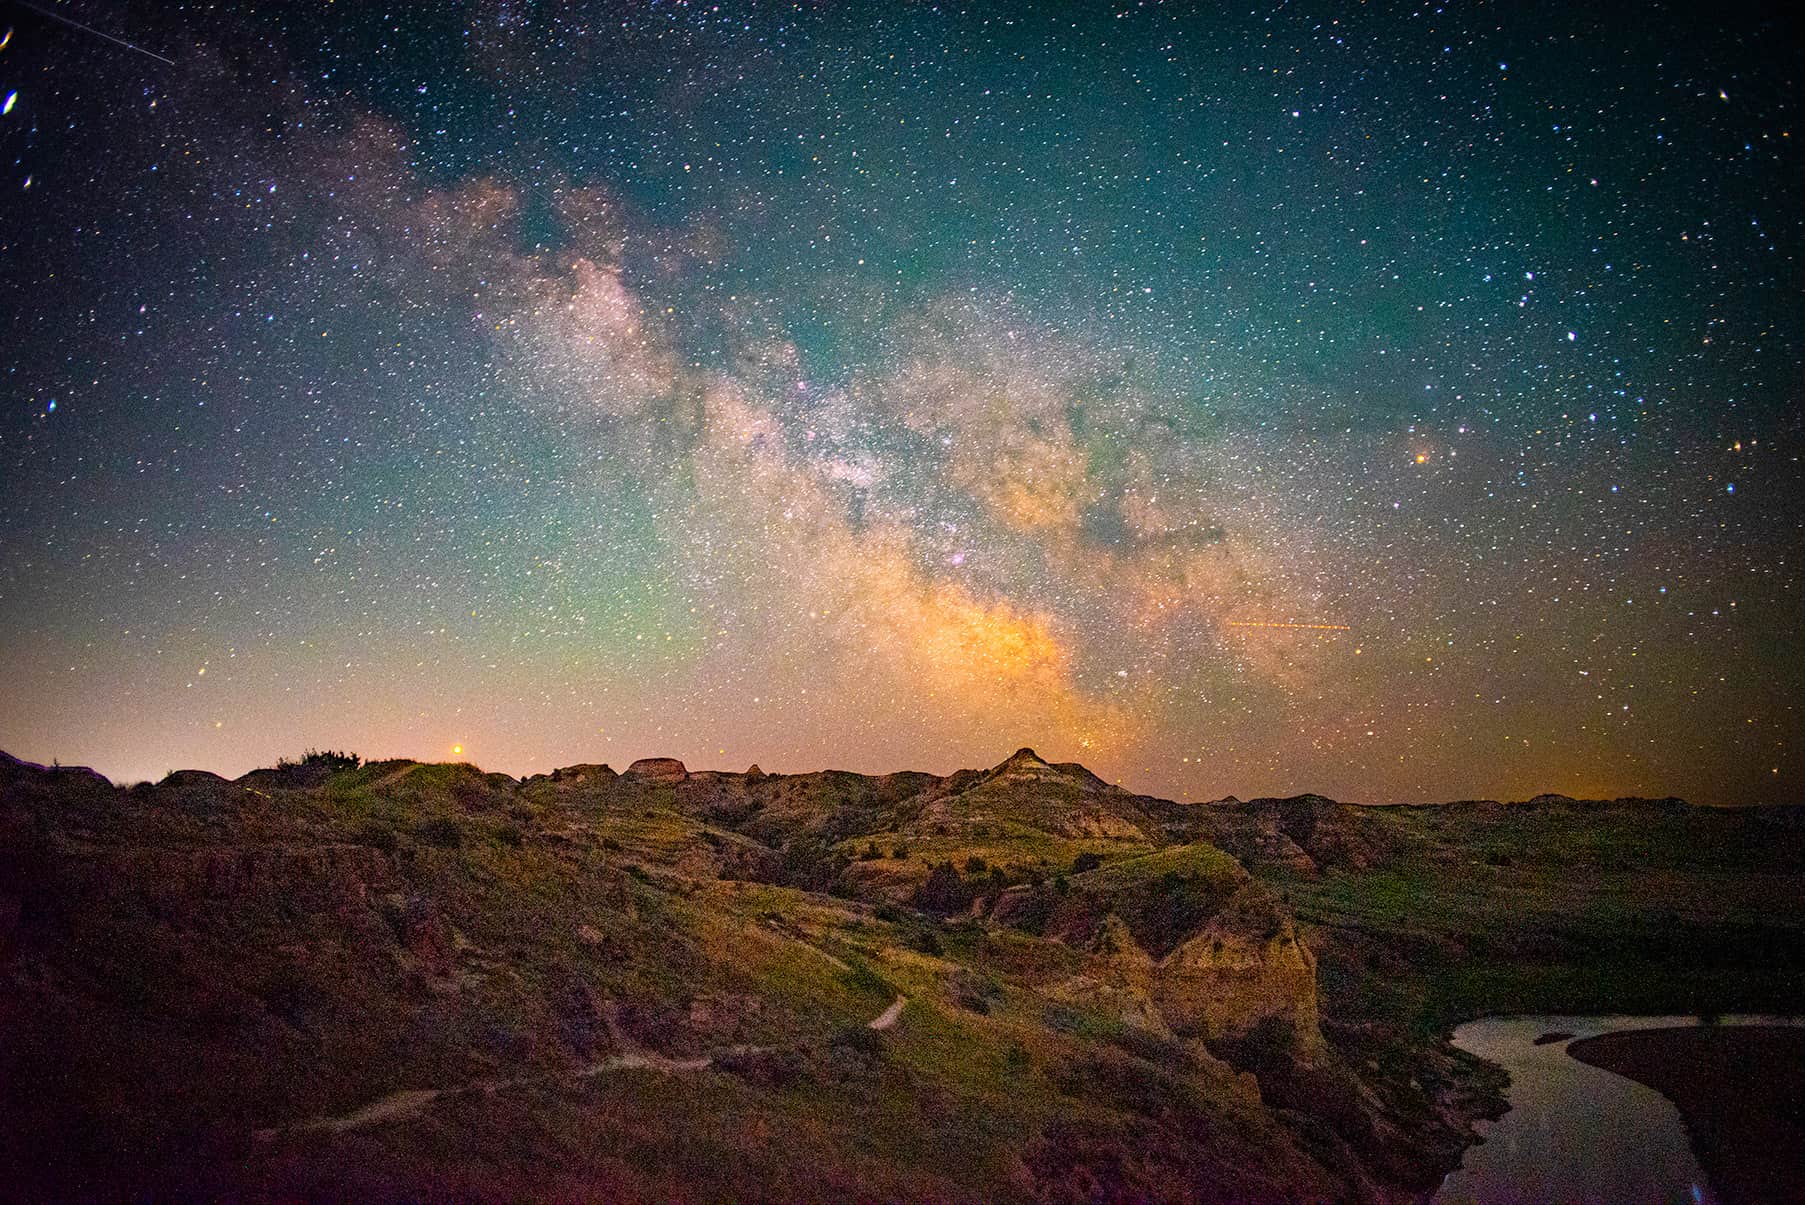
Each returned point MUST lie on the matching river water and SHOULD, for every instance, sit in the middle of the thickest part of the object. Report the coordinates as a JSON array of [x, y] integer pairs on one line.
[[1574, 1133]]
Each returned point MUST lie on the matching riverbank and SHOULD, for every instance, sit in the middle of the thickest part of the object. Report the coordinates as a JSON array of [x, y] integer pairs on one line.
[[1739, 1089]]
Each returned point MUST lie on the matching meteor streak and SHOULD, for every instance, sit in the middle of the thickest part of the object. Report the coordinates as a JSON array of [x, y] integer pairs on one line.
[[74, 24], [1314, 627]]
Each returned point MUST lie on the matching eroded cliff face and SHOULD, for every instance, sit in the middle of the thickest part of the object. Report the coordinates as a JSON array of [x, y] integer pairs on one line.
[[1246, 969], [1224, 984], [1203, 955]]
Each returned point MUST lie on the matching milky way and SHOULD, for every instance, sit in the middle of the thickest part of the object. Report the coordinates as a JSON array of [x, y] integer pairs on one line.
[[1397, 403]]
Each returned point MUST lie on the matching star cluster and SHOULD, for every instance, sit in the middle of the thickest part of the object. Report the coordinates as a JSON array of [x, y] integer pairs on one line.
[[1393, 401]]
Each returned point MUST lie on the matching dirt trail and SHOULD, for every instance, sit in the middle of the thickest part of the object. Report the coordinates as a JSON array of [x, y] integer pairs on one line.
[[411, 1101], [786, 932], [887, 1018], [395, 1105], [646, 1061]]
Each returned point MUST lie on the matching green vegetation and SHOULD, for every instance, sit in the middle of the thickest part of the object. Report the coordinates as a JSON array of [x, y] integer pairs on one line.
[[1424, 916]]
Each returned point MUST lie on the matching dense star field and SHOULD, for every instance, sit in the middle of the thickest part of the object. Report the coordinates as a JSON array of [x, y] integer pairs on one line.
[[1394, 402]]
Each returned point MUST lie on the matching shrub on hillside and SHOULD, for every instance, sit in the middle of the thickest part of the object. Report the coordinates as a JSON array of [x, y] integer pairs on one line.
[[378, 836], [1164, 912], [972, 991], [330, 760], [945, 891], [811, 864], [764, 1068], [441, 831]]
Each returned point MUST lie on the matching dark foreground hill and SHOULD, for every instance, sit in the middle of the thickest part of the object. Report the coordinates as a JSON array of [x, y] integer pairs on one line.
[[351, 981]]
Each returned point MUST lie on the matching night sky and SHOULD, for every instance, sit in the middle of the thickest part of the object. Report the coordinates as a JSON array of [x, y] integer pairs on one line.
[[890, 386]]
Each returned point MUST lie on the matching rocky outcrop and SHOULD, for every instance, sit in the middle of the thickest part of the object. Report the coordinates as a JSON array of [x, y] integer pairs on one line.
[[1229, 975], [1182, 942], [584, 773], [1066, 801], [1027, 766], [1244, 972], [1023, 764], [1304, 834], [658, 769]]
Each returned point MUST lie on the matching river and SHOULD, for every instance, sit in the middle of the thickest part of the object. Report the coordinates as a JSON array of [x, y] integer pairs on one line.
[[1574, 1132]]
